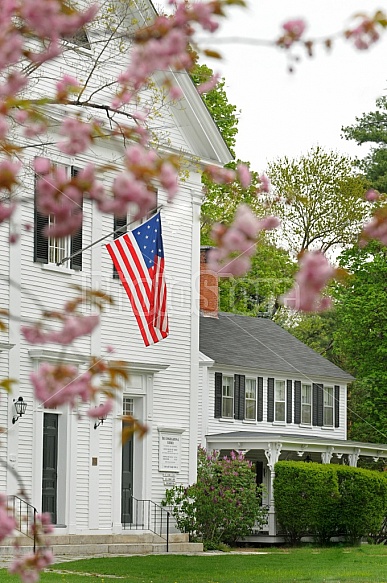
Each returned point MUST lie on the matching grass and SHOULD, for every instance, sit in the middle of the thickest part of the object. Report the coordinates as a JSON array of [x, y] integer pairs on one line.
[[366, 564]]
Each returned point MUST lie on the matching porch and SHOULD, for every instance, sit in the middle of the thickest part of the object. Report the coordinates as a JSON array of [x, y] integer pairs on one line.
[[264, 450]]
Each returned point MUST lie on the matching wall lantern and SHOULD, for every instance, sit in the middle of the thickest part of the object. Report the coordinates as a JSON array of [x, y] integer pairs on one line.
[[308, 459], [101, 419], [20, 407]]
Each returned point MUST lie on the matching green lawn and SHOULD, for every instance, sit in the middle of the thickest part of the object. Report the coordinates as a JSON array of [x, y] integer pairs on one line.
[[332, 565]]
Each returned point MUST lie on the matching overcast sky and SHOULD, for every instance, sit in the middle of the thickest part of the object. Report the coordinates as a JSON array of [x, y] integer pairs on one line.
[[286, 114]]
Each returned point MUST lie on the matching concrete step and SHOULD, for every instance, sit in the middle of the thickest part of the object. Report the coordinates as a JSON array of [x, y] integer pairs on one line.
[[104, 545]]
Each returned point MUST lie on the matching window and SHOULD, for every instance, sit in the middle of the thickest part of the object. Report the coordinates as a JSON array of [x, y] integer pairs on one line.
[[228, 397], [54, 249], [79, 39], [306, 404], [251, 400], [127, 406], [328, 407], [279, 401]]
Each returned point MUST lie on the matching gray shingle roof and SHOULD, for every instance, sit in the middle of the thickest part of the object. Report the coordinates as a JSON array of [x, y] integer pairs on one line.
[[259, 343]]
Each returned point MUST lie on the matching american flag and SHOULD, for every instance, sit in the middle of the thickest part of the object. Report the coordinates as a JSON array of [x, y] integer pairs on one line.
[[138, 256]]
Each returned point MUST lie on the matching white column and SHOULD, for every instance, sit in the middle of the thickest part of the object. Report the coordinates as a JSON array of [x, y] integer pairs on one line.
[[196, 197], [353, 457], [272, 454], [326, 456]]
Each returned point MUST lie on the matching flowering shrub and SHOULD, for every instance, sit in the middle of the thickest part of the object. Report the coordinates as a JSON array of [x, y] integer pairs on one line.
[[223, 505]]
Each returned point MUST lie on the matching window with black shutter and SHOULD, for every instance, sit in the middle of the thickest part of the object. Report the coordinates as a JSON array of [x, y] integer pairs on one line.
[[289, 401], [337, 406], [54, 249], [260, 399], [317, 403], [218, 395], [270, 399], [119, 228], [297, 401], [239, 396]]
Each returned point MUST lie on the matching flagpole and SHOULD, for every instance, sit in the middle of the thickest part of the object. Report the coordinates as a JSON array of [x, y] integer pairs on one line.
[[119, 230]]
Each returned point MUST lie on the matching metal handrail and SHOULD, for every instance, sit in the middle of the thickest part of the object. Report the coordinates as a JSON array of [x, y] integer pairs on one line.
[[24, 515], [147, 515]]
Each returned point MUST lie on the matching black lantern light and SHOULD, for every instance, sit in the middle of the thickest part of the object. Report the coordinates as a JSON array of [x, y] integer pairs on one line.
[[101, 419], [20, 407]]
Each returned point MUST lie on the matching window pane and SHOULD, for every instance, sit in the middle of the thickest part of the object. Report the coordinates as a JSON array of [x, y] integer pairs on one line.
[[250, 410], [250, 388], [328, 416], [328, 396], [306, 393], [306, 414], [280, 391], [228, 387], [280, 411], [227, 406]]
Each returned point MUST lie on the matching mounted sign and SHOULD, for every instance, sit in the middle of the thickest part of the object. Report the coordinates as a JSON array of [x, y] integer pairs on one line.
[[169, 450]]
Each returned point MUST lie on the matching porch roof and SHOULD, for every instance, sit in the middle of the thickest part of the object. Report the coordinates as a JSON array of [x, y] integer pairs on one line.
[[249, 440]]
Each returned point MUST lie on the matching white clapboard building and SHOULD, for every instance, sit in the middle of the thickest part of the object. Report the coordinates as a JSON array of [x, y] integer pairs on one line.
[[83, 475]]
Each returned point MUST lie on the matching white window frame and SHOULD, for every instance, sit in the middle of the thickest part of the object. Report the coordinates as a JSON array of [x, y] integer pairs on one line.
[[306, 405], [328, 401], [227, 397], [279, 386], [251, 399]]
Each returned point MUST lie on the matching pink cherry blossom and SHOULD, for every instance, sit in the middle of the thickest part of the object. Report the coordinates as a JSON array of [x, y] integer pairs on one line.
[[244, 175], [364, 34], [314, 274], [6, 211], [78, 136], [7, 522], [265, 183], [209, 85], [29, 566], [293, 31], [61, 384], [220, 175], [376, 228], [372, 195], [102, 410], [14, 82], [73, 327], [169, 179]]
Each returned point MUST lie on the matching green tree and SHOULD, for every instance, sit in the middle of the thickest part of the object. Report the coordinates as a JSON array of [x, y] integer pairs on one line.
[[223, 112], [272, 268], [319, 198], [360, 339], [372, 128], [256, 293]]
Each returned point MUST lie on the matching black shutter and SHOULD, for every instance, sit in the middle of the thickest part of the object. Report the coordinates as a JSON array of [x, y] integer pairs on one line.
[[260, 399], [239, 396], [119, 228], [337, 406], [297, 401], [314, 405], [289, 401], [76, 240], [318, 405], [40, 241], [270, 399], [218, 395]]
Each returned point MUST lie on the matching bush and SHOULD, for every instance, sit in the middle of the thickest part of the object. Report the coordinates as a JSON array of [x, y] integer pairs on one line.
[[326, 500], [306, 499], [363, 502], [223, 505]]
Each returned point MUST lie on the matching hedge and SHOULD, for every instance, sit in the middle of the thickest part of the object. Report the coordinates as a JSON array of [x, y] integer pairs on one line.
[[323, 500]]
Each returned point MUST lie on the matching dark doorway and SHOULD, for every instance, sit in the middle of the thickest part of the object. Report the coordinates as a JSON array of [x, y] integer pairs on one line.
[[127, 482], [50, 465]]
